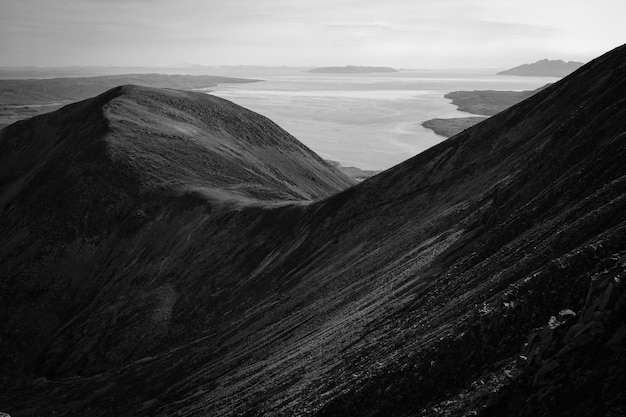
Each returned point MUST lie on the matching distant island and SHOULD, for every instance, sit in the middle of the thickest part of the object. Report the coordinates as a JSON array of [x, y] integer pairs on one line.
[[352, 69], [544, 68]]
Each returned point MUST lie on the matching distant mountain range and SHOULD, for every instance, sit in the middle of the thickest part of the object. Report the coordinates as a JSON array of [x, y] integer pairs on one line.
[[166, 252], [544, 68], [351, 69]]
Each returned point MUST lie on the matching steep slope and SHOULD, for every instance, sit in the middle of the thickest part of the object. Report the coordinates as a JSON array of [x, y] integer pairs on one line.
[[544, 68], [75, 181], [410, 293], [537, 193]]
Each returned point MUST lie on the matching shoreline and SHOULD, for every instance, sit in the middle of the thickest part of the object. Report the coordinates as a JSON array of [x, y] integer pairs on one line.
[[482, 103], [450, 127]]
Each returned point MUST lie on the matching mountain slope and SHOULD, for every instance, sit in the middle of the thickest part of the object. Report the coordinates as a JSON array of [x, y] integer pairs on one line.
[[410, 293], [547, 182]]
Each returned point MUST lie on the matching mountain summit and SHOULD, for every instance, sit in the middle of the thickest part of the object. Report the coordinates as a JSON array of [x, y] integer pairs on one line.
[[482, 277], [157, 141]]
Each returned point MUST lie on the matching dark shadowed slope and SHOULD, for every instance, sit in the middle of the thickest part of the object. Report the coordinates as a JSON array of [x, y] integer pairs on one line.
[[411, 293], [78, 185], [538, 195]]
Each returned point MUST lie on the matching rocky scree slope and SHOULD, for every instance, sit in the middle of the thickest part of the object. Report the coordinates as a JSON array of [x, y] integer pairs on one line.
[[411, 293], [547, 180]]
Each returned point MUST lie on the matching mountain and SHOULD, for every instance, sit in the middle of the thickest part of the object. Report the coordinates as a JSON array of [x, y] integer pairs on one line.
[[482, 277], [163, 141], [352, 69], [544, 68]]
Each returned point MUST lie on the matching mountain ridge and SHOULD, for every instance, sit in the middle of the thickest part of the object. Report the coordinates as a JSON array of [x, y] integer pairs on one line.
[[392, 297], [197, 124]]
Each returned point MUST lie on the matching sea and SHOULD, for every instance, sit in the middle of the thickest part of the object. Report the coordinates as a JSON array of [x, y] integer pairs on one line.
[[370, 121]]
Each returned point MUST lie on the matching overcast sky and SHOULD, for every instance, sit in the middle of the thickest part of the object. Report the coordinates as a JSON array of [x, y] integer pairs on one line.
[[398, 33]]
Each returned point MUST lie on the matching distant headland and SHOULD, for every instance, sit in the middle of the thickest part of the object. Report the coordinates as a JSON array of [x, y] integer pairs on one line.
[[544, 68], [352, 69]]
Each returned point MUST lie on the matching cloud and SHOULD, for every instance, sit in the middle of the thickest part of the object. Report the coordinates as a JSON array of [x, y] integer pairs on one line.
[[300, 32], [516, 28], [363, 25]]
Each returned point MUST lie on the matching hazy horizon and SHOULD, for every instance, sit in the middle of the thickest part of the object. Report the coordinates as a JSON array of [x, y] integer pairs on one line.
[[430, 34]]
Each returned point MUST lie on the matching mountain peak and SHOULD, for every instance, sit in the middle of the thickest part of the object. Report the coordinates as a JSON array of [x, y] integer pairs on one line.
[[162, 139]]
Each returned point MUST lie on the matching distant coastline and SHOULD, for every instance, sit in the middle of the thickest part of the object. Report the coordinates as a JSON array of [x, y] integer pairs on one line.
[[351, 69], [450, 127], [482, 103], [487, 102], [24, 98]]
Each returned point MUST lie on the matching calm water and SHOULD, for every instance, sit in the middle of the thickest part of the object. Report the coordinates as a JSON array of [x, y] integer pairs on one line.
[[372, 121]]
